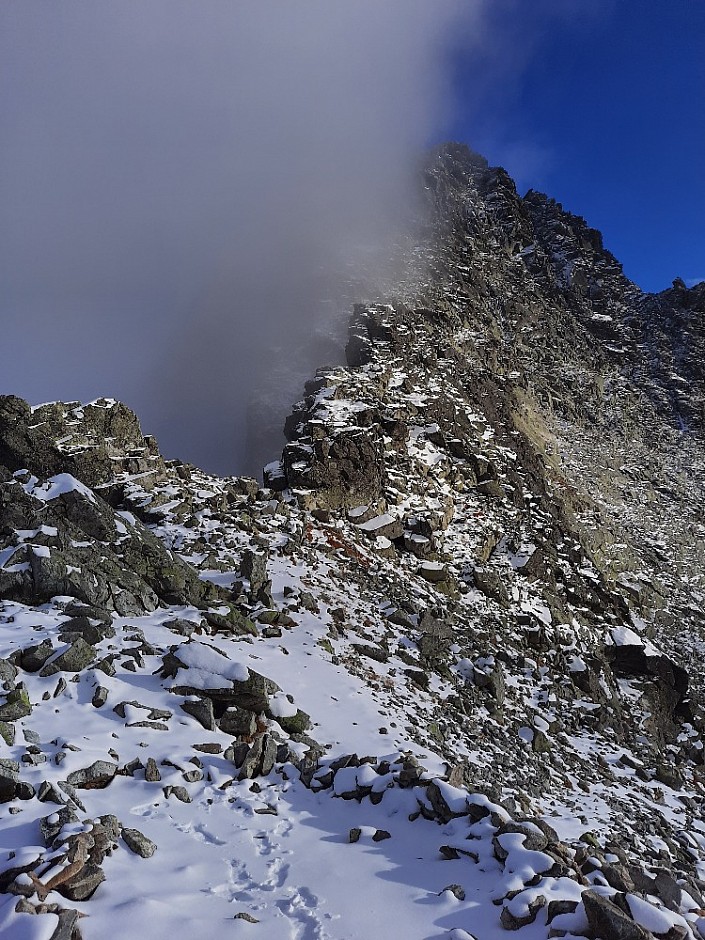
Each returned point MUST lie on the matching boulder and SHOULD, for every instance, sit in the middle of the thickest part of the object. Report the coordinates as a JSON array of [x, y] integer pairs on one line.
[[610, 922], [260, 757], [51, 826], [16, 705], [138, 843], [201, 709], [84, 884], [77, 657], [345, 470], [96, 777], [33, 657], [9, 779], [238, 722]]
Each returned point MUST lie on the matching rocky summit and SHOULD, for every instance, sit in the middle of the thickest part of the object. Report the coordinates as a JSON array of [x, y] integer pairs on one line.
[[440, 676]]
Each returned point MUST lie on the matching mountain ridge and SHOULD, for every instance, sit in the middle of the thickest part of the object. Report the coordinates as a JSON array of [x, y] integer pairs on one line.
[[486, 529]]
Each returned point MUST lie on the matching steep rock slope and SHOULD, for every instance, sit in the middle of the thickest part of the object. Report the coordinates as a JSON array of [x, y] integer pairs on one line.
[[458, 632]]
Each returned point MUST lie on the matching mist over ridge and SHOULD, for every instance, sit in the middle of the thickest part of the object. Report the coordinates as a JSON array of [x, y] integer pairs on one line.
[[187, 187]]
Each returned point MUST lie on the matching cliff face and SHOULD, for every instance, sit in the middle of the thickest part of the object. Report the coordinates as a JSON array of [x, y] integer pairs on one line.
[[472, 586], [528, 323]]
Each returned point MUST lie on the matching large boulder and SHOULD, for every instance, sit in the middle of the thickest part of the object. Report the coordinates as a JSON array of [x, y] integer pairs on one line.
[[80, 547], [345, 469]]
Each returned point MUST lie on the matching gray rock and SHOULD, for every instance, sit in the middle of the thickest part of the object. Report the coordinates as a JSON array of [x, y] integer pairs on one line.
[[491, 583], [378, 654], [668, 889], [295, 724], [25, 791], [33, 658], [456, 890], [111, 826], [237, 753], [511, 922], [8, 673], [84, 628], [555, 908], [48, 572], [83, 885], [617, 877], [668, 774], [440, 807], [237, 722], [610, 922], [260, 757], [73, 797], [202, 711], [77, 657], [78, 609], [67, 928], [151, 773], [96, 777], [131, 767], [210, 747], [381, 835], [346, 469], [138, 843], [181, 793], [8, 873], [16, 705], [433, 573], [254, 567], [534, 839], [9, 779], [50, 793], [493, 681], [251, 694], [182, 627]]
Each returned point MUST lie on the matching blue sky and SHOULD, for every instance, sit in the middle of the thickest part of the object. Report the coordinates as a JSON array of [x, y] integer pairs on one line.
[[602, 106]]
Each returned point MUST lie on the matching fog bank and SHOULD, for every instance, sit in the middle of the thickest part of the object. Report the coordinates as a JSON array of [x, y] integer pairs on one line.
[[184, 181]]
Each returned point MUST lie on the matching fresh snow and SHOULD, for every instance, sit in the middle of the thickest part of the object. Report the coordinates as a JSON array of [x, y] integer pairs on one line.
[[57, 486]]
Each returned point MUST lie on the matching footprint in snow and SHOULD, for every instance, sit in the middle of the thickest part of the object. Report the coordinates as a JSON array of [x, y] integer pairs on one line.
[[308, 897], [278, 873], [282, 829], [240, 885], [200, 833], [300, 908]]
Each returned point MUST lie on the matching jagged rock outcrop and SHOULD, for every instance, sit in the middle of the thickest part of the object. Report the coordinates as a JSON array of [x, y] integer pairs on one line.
[[52, 522], [92, 442]]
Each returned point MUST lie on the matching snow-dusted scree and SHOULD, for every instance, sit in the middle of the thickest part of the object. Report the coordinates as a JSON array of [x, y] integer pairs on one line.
[[434, 680]]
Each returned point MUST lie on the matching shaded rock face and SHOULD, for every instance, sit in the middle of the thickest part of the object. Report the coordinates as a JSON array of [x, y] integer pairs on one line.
[[88, 441], [666, 686], [58, 536], [55, 554], [344, 469]]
